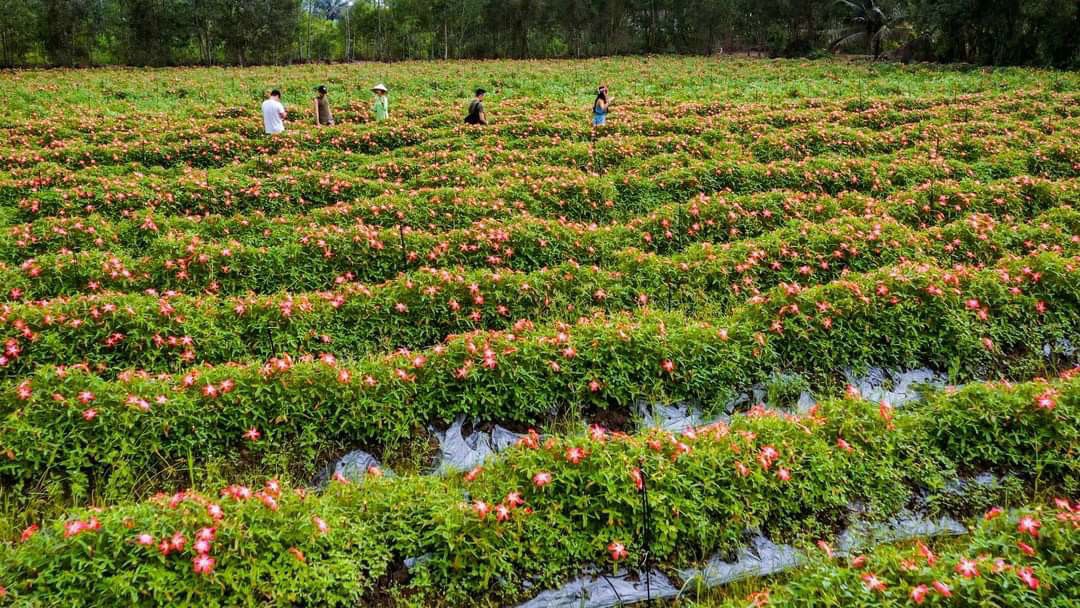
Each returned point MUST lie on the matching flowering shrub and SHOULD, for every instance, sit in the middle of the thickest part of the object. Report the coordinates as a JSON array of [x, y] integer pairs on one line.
[[549, 505], [187, 303], [1025, 557]]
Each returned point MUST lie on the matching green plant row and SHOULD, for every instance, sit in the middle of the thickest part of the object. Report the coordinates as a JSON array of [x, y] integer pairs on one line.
[[117, 433], [1024, 558], [541, 190], [112, 332], [549, 506], [323, 257], [670, 224]]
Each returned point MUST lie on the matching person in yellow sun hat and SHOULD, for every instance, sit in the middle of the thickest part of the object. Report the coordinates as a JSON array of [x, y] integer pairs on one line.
[[381, 108]]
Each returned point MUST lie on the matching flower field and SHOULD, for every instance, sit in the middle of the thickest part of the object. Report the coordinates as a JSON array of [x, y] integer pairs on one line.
[[198, 320]]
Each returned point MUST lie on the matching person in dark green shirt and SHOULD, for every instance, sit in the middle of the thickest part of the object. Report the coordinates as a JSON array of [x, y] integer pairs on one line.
[[476, 110]]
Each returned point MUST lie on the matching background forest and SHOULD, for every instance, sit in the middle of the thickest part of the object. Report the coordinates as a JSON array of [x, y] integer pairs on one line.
[[244, 32]]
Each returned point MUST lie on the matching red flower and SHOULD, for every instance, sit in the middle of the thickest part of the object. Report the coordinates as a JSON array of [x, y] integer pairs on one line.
[[89, 414], [574, 455], [639, 480], [597, 432], [926, 552], [86, 397], [473, 474], [1026, 548], [967, 568], [502, 512], [873, 583], [541, 479], [943, 589], [668, 366], [918, 594], [252, 434], [1028, 576], [203, 564], [992, 513], [617, 550], [177, 541], [514, 499], [28, 532], [859, 561], [1028, 525], [843, 445]]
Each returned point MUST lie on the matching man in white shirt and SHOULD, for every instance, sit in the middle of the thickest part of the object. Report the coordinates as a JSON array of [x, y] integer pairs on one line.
[[273, 113]]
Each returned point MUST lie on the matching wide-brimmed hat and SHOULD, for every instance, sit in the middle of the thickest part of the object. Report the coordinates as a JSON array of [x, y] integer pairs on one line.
[[379, 87]]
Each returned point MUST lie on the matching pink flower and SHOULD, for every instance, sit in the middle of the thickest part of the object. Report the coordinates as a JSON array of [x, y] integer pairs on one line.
[[273, 488], [268, 501], [783, 474], [943, 589], [215, 511], [843, 445], [89, 414], [574, 455], [144, 539], [203, 564], [967, 568], [873, 583], [1028, 525], [1028, 576], [668, 366], [73, 528], [178, 541], [993, 512], [1045, 401], [320, 525], [918, 594], [541, 479], [639, 480], [514, 499], [164, 546], [824, 546], [502, 513], [742, 469], [252, 434], [1026, 548], [23, 391], [202, 547], [617, 550], [926, 552], [473, 474], [481, 508], [86, 397], [206, 534]]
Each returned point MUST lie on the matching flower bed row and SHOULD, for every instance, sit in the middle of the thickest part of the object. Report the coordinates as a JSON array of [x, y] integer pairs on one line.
[[322, 257], [112, 332], [1018, 559], [549, 506], [116, 432]]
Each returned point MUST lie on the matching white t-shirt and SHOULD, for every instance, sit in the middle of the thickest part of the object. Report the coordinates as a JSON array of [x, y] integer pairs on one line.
[[272, 111]]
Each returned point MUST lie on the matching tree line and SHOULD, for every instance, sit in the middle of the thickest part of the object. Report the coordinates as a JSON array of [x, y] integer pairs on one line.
[[245, 32]]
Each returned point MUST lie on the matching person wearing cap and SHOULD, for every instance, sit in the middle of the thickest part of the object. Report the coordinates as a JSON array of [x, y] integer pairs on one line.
[[323, 116], [382, 103], [476, 110]]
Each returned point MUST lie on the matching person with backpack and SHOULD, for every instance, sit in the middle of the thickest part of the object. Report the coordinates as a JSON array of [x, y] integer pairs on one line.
[[476, 110], [600, 106], [323, 117]]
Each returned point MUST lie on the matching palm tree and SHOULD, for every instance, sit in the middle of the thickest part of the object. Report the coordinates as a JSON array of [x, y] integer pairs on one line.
[[868, 22]]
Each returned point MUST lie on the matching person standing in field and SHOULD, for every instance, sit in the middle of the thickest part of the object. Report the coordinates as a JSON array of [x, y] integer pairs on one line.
[[273, 113], [476, 110], [323, 117], [381, 108], [600, 106]]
